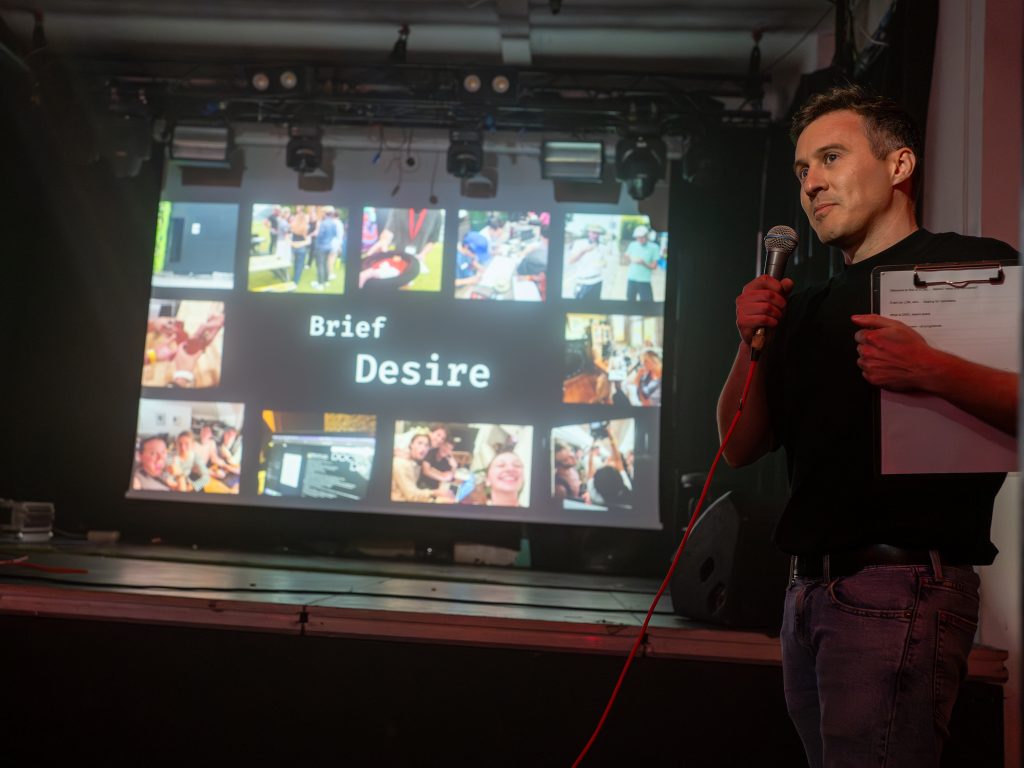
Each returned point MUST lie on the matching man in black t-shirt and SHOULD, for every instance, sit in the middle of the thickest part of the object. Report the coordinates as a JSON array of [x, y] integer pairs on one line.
[[882, 607]]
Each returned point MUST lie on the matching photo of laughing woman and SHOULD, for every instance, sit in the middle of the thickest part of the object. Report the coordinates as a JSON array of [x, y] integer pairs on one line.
[[473, 464]]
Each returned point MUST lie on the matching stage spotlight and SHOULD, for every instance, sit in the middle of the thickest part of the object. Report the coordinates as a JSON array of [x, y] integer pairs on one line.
[[288, 80], [500, 84], [305, 150], [201, 145], [640, 163], [126, 142], [573, 160], [471, 83], [465, 153], [260, 81]]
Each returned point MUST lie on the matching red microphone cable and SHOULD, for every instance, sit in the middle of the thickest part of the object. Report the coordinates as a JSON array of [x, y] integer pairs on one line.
[[672, 568]]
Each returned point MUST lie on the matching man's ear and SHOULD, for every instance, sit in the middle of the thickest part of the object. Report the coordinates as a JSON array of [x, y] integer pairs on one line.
[[904, 161]]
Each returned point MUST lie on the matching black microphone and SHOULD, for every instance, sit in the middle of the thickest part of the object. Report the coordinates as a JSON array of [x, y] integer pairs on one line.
[[779, 243]]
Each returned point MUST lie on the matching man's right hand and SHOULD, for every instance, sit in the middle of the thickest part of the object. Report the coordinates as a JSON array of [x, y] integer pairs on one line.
[[762, 303]]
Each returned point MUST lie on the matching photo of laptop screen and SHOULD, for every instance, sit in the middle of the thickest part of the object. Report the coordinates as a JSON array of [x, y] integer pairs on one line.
[[319, 466]]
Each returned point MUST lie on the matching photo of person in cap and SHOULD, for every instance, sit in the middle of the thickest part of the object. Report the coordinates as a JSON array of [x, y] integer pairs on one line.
[[612, 258], [586, 259], [643, 257]]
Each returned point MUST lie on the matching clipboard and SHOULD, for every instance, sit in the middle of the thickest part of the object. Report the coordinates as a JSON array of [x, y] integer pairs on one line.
[[972, 310]]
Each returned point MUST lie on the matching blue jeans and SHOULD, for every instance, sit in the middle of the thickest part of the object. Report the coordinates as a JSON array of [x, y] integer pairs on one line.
[[872, 662], [298, 262], [321, 264]]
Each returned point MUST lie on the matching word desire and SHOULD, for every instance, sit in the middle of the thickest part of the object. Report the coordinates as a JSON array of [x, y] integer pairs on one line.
[[411, 373]]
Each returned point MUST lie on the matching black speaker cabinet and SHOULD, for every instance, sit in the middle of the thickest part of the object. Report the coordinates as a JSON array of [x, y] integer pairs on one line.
[[730, 572]]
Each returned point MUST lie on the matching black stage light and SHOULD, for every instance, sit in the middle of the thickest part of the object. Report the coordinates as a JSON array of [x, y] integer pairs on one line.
[[465, 153], [126, 141], [400, 50], [305, 150], [640, 163]]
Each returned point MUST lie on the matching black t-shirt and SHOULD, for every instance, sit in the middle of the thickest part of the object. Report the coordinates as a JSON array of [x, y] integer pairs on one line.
[[822, 413], [441, 465], [414, 228]]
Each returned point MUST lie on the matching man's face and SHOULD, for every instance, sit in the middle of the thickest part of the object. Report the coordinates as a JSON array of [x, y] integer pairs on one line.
[[565, 458], [419, 447], [844, 188], [153, 457], [184, 444]]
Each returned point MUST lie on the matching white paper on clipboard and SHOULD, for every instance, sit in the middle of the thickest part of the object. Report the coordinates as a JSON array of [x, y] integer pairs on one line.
[[974, 319]]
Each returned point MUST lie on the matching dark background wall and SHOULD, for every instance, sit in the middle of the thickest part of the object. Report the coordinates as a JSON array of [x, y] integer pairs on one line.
[[74, 296]]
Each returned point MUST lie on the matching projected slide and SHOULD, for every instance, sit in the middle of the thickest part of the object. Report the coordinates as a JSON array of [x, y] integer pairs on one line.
[[317, 455], [188, 447], [477, 464], [592, 464], [184, 344], [613, 360], [455, 362], [195, 245], [402, 249], [297, 248], [613, 258], [502, 256]]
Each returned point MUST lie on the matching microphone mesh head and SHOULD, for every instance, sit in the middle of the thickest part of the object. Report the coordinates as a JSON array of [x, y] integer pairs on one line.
[[781, 238]]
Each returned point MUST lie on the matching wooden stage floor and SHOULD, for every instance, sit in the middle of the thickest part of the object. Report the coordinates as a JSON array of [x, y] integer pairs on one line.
[[377, 600], [157, 655]]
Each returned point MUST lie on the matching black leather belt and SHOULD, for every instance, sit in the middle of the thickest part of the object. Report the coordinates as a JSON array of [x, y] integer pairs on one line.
[[848, 563]]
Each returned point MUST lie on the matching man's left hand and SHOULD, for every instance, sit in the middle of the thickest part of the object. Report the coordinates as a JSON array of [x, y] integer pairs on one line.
[[892, 355]]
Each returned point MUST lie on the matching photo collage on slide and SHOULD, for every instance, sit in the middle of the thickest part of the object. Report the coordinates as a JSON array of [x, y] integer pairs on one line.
[[612, 359]]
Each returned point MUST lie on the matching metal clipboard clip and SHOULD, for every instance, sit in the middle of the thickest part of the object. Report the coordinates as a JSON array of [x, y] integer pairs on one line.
[[959, 275]]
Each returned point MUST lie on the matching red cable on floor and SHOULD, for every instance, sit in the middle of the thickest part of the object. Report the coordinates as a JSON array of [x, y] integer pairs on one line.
[[672, 568], [22, 562]]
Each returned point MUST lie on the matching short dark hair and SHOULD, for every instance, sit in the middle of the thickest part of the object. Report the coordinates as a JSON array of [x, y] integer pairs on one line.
[[889, 125]]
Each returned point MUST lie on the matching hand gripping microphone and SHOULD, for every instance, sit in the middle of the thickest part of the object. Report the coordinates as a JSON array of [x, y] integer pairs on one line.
[[779, 243]]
